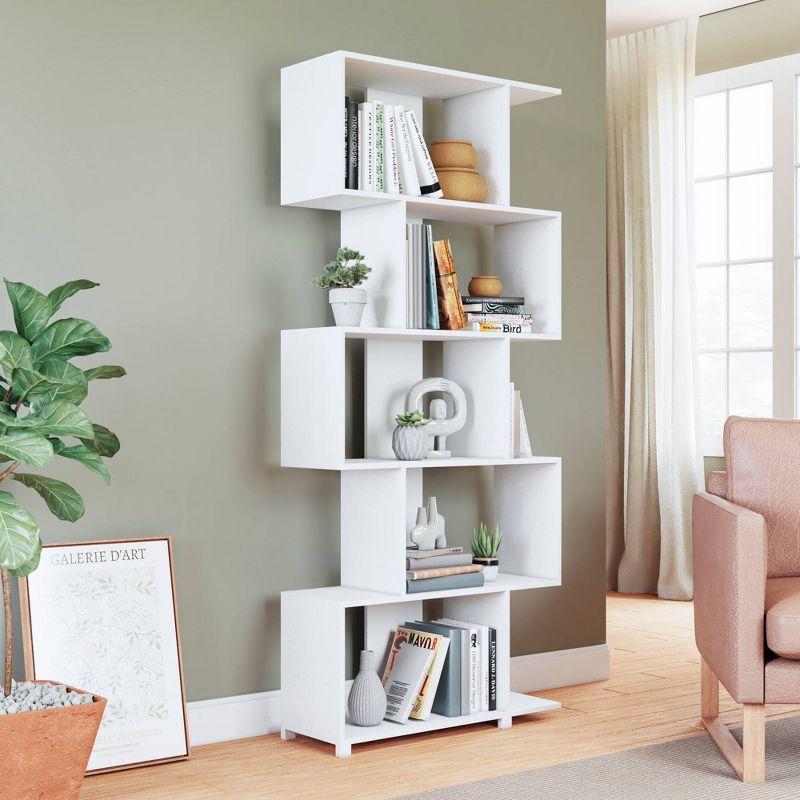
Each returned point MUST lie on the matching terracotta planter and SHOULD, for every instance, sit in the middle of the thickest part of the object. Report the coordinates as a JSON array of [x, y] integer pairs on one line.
[[485, 286], [461, 184], [453, 153], [45, 753]]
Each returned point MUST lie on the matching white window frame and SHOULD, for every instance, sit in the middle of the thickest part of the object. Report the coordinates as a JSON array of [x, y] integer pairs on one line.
[[782, 73]]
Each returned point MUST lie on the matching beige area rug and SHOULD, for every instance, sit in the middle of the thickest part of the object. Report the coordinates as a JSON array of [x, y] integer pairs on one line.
[[688, 769]]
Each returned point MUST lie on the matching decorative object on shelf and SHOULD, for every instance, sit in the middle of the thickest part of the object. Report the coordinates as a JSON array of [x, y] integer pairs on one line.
[[453, 153], [485, 286], [366, 702], [451, 311], [423, 534], [409, 440], [440, 425], [341, 277], [437, 520], [485, 545], [71, 618], [45, 749]]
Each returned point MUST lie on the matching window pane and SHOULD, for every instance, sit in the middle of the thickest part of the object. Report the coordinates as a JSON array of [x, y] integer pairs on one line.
[[750, 221], [751, 384], [711, 308], [712, 394], [709, 197], [750, 311], [751, 127], [709, 135]]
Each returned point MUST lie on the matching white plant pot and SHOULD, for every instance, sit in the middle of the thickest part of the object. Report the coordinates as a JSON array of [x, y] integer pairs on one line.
[[491, 566], [348, 306], [410, 443]]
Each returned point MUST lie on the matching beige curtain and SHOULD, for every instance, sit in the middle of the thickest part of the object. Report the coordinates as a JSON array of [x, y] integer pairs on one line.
[[652, 460]]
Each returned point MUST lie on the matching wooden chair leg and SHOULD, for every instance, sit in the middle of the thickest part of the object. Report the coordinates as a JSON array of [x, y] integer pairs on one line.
[[748, 762]]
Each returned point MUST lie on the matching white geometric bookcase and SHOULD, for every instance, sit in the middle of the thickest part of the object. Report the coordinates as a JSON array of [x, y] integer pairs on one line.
[[379, 495]]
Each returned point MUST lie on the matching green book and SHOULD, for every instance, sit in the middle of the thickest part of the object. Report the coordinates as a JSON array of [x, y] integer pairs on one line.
[[448, 694], [467, 580]]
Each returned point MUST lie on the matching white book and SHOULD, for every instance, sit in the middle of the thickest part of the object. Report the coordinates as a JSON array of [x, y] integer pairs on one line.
[[403, 683], [391, 171], [379, 154], [409, 183], [511, 417], [517, 427], [428, 182], [361, 147], [478, 663], [409, 288], [525, 448], [366, 152]]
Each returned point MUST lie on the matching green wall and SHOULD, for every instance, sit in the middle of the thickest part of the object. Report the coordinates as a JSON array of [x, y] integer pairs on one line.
[[140, 148]]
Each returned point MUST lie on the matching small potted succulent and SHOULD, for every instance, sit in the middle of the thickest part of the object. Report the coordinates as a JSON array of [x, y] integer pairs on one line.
[[47, 729], [409, 440], [341, 277], [485, 545]]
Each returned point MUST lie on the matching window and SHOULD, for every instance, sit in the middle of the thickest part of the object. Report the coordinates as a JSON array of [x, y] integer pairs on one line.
[[747, 176]]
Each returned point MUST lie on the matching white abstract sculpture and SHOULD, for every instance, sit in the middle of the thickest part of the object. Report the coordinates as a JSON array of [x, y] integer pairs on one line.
[[440, 426]]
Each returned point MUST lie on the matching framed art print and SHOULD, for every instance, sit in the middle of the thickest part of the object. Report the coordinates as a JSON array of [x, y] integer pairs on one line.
[[101, 616]]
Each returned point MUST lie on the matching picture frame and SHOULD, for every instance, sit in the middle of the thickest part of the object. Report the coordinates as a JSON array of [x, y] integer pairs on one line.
[[102, 615]]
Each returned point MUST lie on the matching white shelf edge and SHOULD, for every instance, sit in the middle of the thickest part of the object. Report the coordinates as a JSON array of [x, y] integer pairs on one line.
[[529, 704], [428, 335], [455, 462]]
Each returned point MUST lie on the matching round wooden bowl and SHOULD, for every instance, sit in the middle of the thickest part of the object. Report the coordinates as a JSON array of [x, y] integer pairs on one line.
[[461, 184], [485, 286], [453, 153]]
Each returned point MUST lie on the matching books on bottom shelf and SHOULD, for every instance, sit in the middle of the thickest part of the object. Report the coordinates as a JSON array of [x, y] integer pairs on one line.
[[520, 444], [443, 568], [459, 677]]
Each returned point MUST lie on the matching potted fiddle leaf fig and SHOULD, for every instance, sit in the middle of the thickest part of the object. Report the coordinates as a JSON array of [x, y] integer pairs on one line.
[[47, 729]]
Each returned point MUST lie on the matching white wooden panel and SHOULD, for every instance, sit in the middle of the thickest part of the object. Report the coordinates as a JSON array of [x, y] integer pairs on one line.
[[482, 370], [312, 126], [391, 368], [412, 101], [379, 232], [312, 666], [413, 499], [527, 257], [484, 118], [312, 398], [380, 623], [373, 514], [527, 504]]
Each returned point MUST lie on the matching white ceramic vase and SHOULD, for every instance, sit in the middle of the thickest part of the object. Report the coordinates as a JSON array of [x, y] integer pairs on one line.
[[348, 305], [366, 702], [410, 442]]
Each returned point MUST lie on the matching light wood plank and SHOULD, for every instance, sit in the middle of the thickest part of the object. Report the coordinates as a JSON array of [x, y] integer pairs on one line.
[[753, 741]]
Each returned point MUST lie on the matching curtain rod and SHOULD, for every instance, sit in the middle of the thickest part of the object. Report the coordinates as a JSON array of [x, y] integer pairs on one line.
[[731, 8]]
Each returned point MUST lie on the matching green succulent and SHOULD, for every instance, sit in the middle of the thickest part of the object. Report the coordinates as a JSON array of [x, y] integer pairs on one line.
[[346, 270], [411, 419], [485, 542]]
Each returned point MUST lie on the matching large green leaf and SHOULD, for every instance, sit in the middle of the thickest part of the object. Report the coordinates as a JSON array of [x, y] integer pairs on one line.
[[29, 383], [66, 290], [14, 352], [67, 338], [63, 419], [108, 371], [29, 447], [10, 420], [32, 564], [31, 309], [71, 383], [61, 498], [85, 455], [19, 534], [104, 443]]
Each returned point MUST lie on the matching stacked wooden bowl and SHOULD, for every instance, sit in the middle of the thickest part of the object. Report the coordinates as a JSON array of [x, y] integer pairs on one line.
[[455, 161]]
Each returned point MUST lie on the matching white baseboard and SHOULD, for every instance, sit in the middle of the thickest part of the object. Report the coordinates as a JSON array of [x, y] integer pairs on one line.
[[224, 718], [540, 671]]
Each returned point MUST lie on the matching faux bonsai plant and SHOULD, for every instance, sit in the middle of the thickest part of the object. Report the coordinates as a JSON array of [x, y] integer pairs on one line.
[[341, 277], [409, 440], [485, 545], [41, 419]]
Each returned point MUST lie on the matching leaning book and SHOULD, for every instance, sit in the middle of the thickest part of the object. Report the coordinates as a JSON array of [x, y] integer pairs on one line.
[[404, 680]]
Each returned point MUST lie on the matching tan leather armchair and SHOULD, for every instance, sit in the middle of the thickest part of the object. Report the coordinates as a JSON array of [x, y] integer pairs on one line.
[[746, 549]]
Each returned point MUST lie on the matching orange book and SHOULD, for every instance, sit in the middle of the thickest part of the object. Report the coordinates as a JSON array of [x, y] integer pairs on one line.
[[451, 311]]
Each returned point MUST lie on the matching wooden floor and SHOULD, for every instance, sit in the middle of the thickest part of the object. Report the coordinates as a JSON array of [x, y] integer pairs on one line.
[[652, 696]]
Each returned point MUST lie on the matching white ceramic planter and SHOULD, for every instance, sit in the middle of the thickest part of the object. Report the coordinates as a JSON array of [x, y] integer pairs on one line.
[[491, 566], [410, 442], [348, 306]]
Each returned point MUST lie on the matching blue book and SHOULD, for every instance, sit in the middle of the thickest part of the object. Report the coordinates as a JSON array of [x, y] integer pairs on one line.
[[431, 297], [449, 692], [466, 580]]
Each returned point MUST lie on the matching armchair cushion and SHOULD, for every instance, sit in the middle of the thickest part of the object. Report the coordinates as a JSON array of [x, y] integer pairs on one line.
[[783, 617], [717, 483]]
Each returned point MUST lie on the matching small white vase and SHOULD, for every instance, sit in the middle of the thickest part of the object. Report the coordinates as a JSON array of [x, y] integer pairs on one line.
[[410, 443], [348, 306], [366, 702]]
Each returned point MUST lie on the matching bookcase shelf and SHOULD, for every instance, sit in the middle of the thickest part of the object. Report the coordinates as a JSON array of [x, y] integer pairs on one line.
[[379, 494]]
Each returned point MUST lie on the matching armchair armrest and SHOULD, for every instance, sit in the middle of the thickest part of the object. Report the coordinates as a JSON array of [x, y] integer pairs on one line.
[[729, 545]]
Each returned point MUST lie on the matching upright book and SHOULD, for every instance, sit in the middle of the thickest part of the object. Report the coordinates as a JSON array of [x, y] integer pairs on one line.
[[428, 182], [351, 122], [380, 155], [448, 696], [451, 313], [409, 182], [391, 170], [366, 152], [431, 295]]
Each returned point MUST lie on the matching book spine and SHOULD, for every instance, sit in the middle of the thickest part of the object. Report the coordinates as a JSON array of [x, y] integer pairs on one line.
[[525, 449], [428, 182], [451, 314], [391, 165], [439, 572], [362, 148], [511, 301], [515, 422], [474, 672], [492, 669], [380, 156], [367, 152], [492, 308], [412, 552], [513, 319], [432, 298], [352, 116], [457, 560], [347, 143], [500, 327], [470, 580], [510, 409]]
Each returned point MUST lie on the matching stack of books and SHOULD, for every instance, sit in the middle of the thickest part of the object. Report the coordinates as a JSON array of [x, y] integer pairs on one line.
[[385, 151], [497, 314], [442, 568], [459, 676]]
